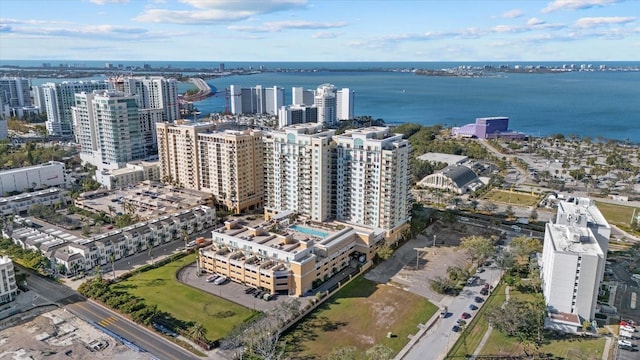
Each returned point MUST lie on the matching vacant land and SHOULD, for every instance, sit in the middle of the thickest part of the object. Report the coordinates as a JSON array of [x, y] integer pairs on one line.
[[360, 315], [160, 287], [617, 214], [512, 197]]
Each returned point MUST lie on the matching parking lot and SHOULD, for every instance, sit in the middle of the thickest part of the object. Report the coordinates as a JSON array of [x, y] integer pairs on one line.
[[628, 343], [231, 291]]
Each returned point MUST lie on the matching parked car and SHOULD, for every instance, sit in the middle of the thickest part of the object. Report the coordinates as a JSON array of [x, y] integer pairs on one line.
[[484, 292], [472, 307], [625, 343], [444, 312], [212, 278], [628, 328], [461, 322], [478, 299], [249, 290], [479, 270], [456, 328], [221, 280], [465, 315]]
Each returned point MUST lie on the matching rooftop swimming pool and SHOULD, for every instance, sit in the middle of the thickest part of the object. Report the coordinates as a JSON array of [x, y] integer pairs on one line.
[[309, 231]]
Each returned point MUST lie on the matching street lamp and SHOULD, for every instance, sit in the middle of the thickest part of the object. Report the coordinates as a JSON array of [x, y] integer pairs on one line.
[[434, 240]]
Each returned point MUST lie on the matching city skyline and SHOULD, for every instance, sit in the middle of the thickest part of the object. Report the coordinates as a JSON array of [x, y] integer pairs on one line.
[[308, 30]]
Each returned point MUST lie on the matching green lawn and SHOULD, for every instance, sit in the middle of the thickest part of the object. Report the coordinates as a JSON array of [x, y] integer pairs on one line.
[[360, 315], [160, 287], [514, 198], [617, 214]]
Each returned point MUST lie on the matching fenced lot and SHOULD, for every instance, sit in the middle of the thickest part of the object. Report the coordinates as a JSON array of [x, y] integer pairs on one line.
[[512, 197], [359, 315], [161, 288]]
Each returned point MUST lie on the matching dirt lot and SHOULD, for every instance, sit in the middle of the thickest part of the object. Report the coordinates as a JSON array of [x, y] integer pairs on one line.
[[431, 262], [61, 335]]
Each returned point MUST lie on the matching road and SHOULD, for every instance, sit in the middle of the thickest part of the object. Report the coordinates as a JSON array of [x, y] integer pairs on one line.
[[439, 339], [92, 312]]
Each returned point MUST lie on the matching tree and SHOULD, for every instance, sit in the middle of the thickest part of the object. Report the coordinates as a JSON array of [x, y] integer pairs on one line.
[[505, 259], [509, 211], [385, 252], [534, 215], [479, 247], [490, 206], [523, 246], [197, 332]]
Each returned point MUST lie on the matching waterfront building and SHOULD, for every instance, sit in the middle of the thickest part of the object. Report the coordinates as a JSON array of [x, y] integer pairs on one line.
[[59, 98], [52, 173], [488, 128], [15, 97], [108, 129], [8, 286], [573, 261], [21, 203], [372, 177], [344, 104], [290, 261], [458, 179], [325, 101], [224, 162], [303, 97], [155, 92], [297, 161], [297, 114], [256, 100]]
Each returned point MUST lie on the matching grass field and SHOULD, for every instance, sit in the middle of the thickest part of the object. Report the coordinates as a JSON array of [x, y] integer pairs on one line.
[[360, 315], [514, 198], [160, 287], [502, 345], [617, 214]]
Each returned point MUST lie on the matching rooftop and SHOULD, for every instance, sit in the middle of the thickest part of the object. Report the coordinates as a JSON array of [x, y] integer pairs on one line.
[[570, 239], [584, 206], [33, 167], [448, 159]]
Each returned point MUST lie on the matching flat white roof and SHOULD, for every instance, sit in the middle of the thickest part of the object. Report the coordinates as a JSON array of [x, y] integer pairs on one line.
[[584, 206], [448, 159], [571, 239]]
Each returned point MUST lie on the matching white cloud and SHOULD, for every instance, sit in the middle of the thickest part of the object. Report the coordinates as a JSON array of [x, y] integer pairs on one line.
[[102, 2], [277, 26], [535, 21], [575, 5], [589, 22], [512, 14], [324, 35], [97, 32], [217, 11]]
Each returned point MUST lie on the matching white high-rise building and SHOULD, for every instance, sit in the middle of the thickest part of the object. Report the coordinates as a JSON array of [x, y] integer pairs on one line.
[[344, 104], [8, 286], [59, 98], [256, 100], [301, 96], [372, 178], [15, 97], [298, 171], [155, 92], [108, 128], [573, 259], [52, 173], [297, 114], [325, 101]]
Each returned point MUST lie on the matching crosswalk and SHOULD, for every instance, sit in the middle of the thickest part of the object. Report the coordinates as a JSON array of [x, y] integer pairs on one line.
[[108, 321]]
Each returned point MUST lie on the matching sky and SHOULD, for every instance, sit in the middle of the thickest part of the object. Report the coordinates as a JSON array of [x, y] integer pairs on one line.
[[320, 30]]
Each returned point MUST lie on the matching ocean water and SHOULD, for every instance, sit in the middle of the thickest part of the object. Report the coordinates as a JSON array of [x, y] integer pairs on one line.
[[595, 104]]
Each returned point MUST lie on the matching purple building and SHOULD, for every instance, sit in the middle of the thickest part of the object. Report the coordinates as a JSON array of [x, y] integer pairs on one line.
[[487, 128]]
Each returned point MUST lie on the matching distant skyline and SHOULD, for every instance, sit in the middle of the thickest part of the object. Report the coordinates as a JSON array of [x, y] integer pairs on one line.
[[314, 30]]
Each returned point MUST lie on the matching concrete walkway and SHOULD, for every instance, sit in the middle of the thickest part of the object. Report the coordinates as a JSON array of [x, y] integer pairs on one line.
[[607, 346], [485, 338]]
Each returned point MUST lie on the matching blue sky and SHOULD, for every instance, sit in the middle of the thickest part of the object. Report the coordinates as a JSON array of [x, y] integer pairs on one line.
[[320, 30]]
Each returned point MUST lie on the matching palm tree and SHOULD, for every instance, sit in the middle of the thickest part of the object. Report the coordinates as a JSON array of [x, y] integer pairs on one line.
[[197, 332], [112, 211], [112, 259]]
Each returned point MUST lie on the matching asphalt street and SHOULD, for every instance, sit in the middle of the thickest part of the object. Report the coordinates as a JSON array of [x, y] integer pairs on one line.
[[65, 297], [440, 338]]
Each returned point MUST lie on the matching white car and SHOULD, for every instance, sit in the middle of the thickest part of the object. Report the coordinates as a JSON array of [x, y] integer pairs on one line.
[[625, 343], [628, 328]]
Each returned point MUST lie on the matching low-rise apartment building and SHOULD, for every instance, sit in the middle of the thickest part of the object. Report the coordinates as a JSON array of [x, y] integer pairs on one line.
[[21, 203], [70, 254], [287, 259]]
